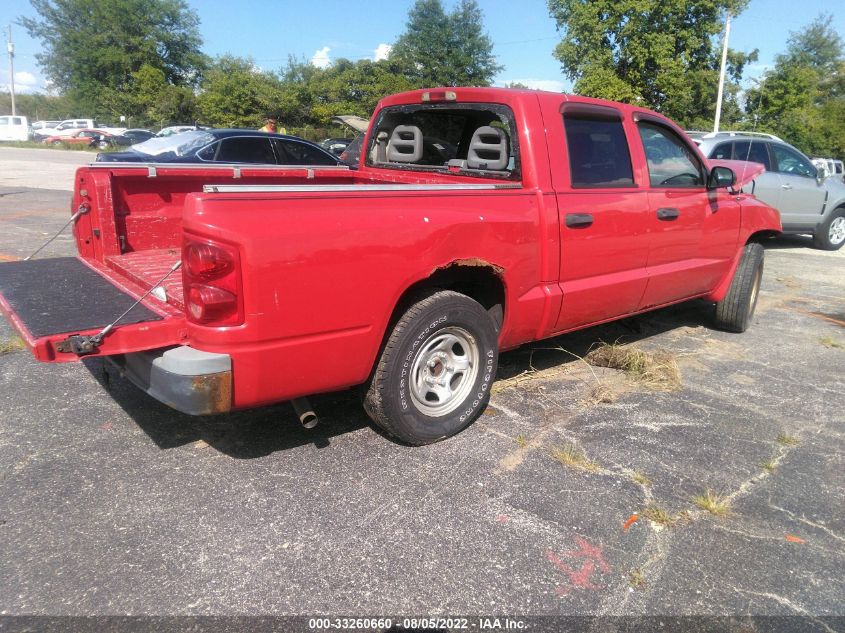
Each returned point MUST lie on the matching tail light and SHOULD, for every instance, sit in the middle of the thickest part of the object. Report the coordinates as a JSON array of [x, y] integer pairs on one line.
[[211, 281]]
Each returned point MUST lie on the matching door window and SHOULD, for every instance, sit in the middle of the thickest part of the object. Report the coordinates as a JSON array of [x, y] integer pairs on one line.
[[752, 151], [293, 153], [246, 149], [671, 163], [4, 120], [791, 162], [723, 151], [598, 152]]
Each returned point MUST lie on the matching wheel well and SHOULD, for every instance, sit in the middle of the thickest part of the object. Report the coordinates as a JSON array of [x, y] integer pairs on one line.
[[474, 278], [762, 236]]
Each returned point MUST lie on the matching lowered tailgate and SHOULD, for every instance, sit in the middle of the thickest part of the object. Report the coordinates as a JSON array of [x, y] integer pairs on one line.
[[48, 300]]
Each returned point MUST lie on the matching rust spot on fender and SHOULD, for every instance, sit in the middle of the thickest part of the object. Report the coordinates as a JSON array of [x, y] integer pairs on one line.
[[471, 262], [215, 391]]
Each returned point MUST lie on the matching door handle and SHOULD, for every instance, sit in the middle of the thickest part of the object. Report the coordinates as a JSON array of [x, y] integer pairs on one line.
[[668, 214], [575, 220], [785, 186]]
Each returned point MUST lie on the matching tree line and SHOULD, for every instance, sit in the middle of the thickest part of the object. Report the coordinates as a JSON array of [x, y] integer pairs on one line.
[[143, 59]]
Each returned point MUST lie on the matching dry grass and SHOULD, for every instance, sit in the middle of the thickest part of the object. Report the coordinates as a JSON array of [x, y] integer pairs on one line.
[[572, 456], [829, 341], [11, 344], [601, 394], [786, 440], [658, 370], [636, 579], [716, 504], [770, 465], [640, 478], [658, 515], [521, 441]]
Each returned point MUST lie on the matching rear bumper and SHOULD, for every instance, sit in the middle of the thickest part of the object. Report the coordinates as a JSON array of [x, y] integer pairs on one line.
[[186, 379]]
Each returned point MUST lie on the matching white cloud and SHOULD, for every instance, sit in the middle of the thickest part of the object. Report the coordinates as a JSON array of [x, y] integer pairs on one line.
[[25, 78], [381, 52], [552, 85], [321, 58]]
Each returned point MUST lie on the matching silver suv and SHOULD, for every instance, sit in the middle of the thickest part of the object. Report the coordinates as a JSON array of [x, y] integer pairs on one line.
[[808, 203]]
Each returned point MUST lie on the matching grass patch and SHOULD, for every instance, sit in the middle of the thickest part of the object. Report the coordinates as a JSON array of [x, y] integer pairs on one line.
[[658, 515], [601, 394], [521, 441], [829, 341], [572, 456], [770, 465], [657, 371], [716, 504], [636, 579], [11, 344], [640, 478], [786, 440]]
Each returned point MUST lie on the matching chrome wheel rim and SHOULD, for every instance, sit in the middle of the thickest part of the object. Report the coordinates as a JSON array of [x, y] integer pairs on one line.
[[836, 234], [444, 371]]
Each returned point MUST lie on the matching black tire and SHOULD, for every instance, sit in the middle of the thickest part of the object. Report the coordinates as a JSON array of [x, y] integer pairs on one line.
[[734, 312], [830, 237], [402, 396]]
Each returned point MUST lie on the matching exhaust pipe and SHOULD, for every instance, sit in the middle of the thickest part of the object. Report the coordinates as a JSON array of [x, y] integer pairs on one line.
[[305, 413]]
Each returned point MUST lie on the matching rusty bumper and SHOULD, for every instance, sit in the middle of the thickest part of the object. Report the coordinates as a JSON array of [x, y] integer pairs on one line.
[[188, 380]]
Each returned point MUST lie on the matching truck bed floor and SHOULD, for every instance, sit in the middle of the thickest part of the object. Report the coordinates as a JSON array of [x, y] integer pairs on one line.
[[145, 268]]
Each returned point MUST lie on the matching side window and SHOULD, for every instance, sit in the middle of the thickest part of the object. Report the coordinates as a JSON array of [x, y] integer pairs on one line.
[[209, 152], [753, 151], [722, 151], [598, 152], [4, 120], [246, 149], [80, 125], [293, 153], [17, 120], [670, 162], [791, 162]]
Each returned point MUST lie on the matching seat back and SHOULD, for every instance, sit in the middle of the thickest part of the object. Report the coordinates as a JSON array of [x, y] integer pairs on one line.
[[488, 149]]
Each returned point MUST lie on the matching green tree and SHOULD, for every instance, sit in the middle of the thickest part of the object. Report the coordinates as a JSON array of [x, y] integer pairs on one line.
[[95, 45], [235, 93], [440, 49], [662, 54], [802, 99]]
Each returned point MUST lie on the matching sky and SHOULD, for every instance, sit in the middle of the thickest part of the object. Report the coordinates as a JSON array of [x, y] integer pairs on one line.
[[523, 34]]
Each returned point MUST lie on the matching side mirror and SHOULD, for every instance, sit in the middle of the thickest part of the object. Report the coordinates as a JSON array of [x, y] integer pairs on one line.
[[721, 177]]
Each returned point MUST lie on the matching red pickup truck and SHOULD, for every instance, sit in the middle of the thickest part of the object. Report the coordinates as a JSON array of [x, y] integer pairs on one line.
[[479, 219]]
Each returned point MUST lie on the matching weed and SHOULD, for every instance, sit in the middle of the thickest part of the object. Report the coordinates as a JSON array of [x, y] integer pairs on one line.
[[521, 441], [601, 394], [640, 477], [572, 456], [11, 344], [657, 371], [829, 341], [716, 504], [770, 465], [658, 515], [636, 579], [786, 440]]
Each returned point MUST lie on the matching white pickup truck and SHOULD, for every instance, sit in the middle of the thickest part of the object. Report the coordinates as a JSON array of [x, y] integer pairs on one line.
[[69, 126]]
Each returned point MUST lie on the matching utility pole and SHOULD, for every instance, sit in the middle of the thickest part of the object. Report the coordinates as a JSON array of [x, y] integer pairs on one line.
[[722, 74]]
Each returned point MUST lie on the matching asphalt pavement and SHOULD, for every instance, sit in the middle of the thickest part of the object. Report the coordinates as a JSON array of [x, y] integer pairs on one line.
[[113, 504]]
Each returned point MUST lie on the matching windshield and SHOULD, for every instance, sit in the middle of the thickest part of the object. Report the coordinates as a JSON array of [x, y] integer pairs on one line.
[[179, 144]]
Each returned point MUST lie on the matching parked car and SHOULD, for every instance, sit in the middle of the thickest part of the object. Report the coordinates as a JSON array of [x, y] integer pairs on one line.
[[137, 136], [808, 202], [335, 145], [14, 128], [42, 128], [225, 146], [407, 276], [69, 126], [833, 168], [92, 138]]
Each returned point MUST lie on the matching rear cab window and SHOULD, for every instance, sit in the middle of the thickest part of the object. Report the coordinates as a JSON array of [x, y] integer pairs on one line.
[[599, 156], [471, 139]]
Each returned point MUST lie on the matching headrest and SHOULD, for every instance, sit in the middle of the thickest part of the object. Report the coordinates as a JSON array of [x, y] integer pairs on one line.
[[488, 149], [405, 144]]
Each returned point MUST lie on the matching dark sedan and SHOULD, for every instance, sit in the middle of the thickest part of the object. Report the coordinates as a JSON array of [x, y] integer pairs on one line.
[[225, 146]]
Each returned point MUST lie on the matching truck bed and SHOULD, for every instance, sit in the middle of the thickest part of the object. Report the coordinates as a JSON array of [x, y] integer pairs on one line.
[[145, 268]]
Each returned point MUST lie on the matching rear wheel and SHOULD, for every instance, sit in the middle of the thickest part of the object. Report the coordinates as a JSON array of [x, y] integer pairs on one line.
[[434, 376], [734, 312], [830, 234]]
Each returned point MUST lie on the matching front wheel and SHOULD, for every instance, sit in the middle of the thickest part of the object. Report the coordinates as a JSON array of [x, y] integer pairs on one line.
[[434, 376], [734, 312], [830, 234]]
